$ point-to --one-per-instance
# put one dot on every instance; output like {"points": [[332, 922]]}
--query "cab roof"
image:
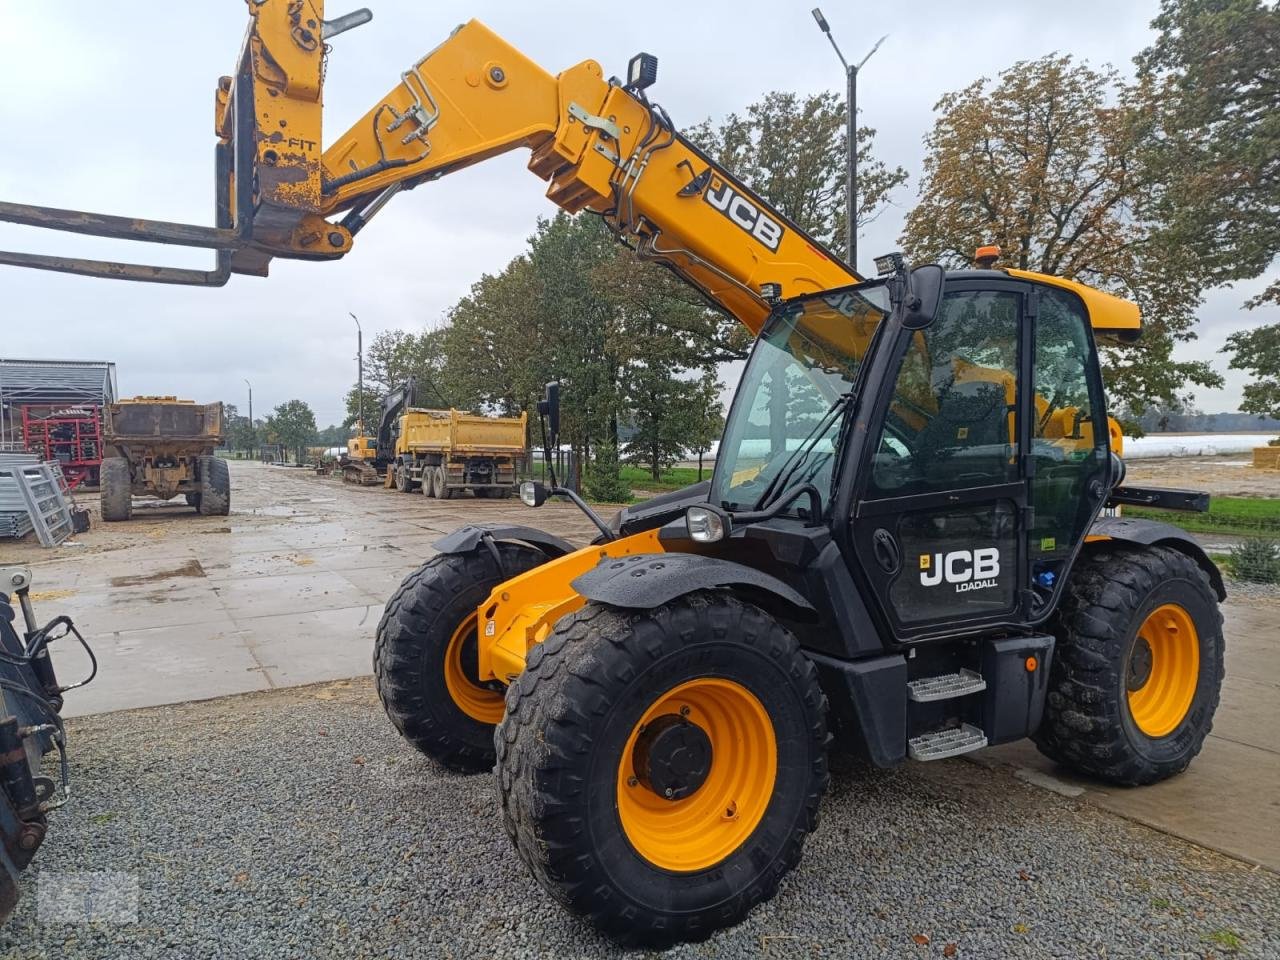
{"points": [[1109, 315]]}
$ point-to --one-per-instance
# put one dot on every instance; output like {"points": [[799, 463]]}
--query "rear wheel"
{"points": [[443, 491], [402, 478], [424, 656], [659, 770], [115, 490], [214, 498], [1138, 666]]}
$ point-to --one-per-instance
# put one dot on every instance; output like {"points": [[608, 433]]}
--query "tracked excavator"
{"points": [[369, 456], [908, 548]]}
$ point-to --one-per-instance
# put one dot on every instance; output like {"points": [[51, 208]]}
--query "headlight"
{"points": [[706, 524]]}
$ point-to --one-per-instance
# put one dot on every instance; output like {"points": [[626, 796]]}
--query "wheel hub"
{"points": [[1139, 671], [672, 756]]}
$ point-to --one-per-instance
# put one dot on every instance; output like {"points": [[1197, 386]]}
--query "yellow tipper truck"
{"points": [[443, 452]]}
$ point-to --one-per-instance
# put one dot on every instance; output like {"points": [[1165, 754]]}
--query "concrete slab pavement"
{"points": [[287, 590]]}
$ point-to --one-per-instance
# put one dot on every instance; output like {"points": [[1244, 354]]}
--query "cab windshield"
{"points": [[785, 425]]}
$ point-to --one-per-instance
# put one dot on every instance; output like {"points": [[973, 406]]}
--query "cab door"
{"points": [[941, 512]]}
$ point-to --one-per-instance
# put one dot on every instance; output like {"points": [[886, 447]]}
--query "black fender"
{"points": [[1149, 533], [647, 580], [471, 537]]}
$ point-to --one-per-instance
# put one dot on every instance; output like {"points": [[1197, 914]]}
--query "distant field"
{"points": [[1249, 516], [673, 479]]}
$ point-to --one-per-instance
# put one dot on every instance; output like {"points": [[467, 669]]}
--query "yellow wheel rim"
{"points": [[705, 827], [477, 702], [1163, 670]]}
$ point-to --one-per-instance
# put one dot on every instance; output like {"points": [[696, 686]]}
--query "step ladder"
{"points": [[946, 686], [42, 489], [947, 741]]}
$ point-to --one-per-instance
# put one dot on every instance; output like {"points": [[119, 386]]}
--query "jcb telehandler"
{"points": [[902, 551]]}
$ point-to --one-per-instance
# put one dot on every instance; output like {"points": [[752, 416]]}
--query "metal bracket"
{"points": [[419, 113], [593, 122]]}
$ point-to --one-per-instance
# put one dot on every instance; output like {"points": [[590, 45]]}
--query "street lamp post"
{"points": [[851, 174], [252, 445], [359, 368]]}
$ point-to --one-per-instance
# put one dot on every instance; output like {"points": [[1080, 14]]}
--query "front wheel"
{"points": [[659, 770], [424, 655], [1138, 666]]}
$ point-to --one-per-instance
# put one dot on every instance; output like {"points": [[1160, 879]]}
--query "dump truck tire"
{"points": [[115, 489], [424, 656], [1137, 668], [429, 483], [437, 483], [659, 770], [443, 490], [215, 487]]}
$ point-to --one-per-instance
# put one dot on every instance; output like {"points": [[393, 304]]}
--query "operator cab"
{"points": [[955, 446]]}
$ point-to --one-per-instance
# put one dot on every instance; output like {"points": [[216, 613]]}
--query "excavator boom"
{"points": [[600, 145]]}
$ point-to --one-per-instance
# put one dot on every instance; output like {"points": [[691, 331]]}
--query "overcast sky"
{"points": [[109, 108]]}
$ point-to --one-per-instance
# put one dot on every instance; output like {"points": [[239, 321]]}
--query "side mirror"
{"points": [[924, 296], [550, 408], [533, 493]]}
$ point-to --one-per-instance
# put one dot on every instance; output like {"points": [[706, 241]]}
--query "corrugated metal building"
{"points": [[27, 382]]}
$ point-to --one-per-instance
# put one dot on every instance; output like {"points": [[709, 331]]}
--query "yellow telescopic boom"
{"points": [[600, 145]]}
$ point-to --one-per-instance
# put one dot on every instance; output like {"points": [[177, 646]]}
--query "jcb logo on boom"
{"points": [[968, 570], [745, 214]]}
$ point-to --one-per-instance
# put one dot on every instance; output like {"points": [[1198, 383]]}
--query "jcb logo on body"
{"points": [[745, 214], [967, 569]]}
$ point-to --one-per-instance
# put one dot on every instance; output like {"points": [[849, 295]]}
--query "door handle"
{"points": [[886, 551]]}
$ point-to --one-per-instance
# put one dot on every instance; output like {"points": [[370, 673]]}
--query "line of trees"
{"points": [[292, 425], [1157, 189]]}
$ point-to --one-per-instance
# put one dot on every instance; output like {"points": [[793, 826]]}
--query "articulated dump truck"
{"points": [[443, 452], [161, 447]]}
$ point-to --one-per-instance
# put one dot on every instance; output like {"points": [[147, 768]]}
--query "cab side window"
{"points": [[951, 421], [1069, 436]]}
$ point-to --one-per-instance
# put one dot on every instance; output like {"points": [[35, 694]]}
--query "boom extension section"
{"points": [[601, 146]]}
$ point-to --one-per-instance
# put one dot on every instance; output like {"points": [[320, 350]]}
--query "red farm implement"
{"points": [[70, 435]]}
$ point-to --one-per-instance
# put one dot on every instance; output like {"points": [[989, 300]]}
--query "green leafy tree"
{"points": [[793, 150], [1258, 352], [1215, 67], [240, 434], [293, 425], [706, 423], [677, 418], [396, 355], [372, 409], [603, 480], [333, 436], [1047, 164]]}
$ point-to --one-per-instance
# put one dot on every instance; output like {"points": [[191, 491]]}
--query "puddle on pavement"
{"points": [[191, 568], [274, 511]]}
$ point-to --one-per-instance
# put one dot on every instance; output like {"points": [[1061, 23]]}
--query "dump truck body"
{"points": [[443, 452], [162, 447]]}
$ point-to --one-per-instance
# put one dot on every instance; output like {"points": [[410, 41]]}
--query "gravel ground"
{"points": [[295, 823]]}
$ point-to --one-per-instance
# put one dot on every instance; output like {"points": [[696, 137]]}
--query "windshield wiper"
{"points": [[801, 453]]}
